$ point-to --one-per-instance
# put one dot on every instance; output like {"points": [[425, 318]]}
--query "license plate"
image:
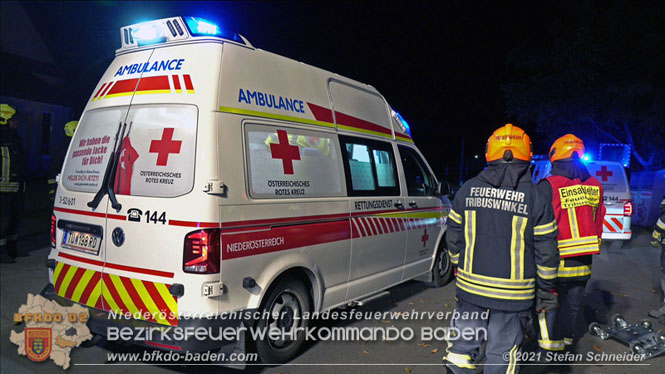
{"points": [[81, 241]]}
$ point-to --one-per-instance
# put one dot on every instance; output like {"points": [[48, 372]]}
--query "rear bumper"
{"points": [[191, 334], [617, 226]]}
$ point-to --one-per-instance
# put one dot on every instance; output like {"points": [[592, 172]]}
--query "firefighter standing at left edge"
{"points": [[502, 236], [11, 184]]}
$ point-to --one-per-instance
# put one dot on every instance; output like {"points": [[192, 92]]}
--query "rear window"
{"points": [[157, 150], [612, 176]]}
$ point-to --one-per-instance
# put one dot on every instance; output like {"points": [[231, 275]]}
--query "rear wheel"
{"points": [[442, 268], [286, 304]]}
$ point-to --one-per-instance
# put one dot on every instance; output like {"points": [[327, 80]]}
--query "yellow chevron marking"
{"points": [[83, 282]]}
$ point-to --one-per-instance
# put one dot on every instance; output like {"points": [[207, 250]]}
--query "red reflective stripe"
{"points": [[91, 286], [351, 121], [618, 223], [188, 82], [377, 224], [321, 113], [160, 345], [386, 229], [109, 265], [123, 86], [176, 82], [91, 214], [608, 226], [226, 225], [100, 90], [154, 83], [360, 226], [129, 286], [174, 222], [106, 90], [99, 304], [81, 212], [75, 281], [62, 274], [287, 237], [369, 223]]}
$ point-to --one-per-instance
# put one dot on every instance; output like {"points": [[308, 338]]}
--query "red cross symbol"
{"points": [[424, 238], [284, 151], [165, 146], [604, 173]]}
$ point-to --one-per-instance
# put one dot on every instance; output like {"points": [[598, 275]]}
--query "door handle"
{"points": [[413, 204], [399, 205]]}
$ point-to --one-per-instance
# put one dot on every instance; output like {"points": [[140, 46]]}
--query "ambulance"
{"points": [[616, 197], [209, 178]]}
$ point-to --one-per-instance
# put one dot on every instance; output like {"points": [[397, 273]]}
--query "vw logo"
{"points": [[118, 236]]}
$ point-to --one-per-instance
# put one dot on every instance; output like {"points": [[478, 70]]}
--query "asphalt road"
{"points": [[624, 281]]}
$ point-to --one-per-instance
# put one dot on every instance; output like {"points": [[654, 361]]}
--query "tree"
{"points": [[600, 74]]}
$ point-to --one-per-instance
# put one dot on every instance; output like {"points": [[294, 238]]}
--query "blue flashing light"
{"points": [[147, 33], [201, 27], [586, 158], [406, 125]]}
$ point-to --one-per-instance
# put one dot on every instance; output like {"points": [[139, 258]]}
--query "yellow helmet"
{"points": [[507, 140], [565, 146], [70, 127], [6, 112]]}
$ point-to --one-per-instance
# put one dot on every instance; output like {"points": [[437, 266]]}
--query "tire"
{"points": [[442, 269], [287, 298], [594, 329], [619, 321]]}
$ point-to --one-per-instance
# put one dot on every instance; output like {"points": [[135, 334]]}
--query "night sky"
{"points": [[440, 64]]}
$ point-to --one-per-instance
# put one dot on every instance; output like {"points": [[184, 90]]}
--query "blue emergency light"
{"points": [[201, 27], [586, 158], [406, 125], [147, 33]]}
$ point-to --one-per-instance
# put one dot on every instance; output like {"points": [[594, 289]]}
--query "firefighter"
{"points": [[658, 241], [502, 239], [11, 184], [577, 200], [59, 158]]}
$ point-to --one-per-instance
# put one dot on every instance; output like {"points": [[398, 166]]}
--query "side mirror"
{"points": [[443, 188]]}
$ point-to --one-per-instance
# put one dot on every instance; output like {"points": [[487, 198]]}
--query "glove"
{"points": [[656, 239], [546, 300]]}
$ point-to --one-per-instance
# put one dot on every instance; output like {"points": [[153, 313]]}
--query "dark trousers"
{"points": [[557, 326], [503, 330], [11, 209]]}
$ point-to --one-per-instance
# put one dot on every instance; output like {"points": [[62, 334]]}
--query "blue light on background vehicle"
{"points": [[201, 27], [406, 125], [148, 33], [586, 158]]}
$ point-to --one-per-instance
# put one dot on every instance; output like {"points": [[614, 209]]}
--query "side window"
{"points": [[291, 163], [370, 167], [419, 181]]}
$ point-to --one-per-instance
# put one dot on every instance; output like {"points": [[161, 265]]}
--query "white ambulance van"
{"points": [[616, 197], [207, 176]]}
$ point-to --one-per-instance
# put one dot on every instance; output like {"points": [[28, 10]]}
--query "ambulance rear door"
{"points": [[82, 203], [160, 210]]}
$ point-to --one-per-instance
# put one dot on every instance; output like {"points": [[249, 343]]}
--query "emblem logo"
{"points": [[118, 236], [38, 343]]}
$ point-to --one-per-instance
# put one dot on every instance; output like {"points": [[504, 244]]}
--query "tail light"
{"points": [[52, 230], [202, 252], [628, 208]]}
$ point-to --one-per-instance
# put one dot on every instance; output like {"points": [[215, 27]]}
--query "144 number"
{"points": [[152, 217]]}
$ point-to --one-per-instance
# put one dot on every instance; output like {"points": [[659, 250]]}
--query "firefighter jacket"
{"points": [[577, 200], [11, 151], [502, 237]]}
